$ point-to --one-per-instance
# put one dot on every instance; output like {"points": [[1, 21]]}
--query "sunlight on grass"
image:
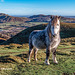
{"points": [[14, 58]]}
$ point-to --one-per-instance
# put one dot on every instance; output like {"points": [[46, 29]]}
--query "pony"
{"points": [[48, 39]]}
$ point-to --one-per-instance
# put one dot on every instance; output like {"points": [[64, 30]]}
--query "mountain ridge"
{"points": [[34, 18], [46, 18], [6, 18]]}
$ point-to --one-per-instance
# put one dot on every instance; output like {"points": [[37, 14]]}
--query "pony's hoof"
{"points": [[47, 63], [56, 62], [36, 59], [28, 61]]}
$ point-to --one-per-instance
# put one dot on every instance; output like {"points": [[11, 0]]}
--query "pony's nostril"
{"points": [[54, 35]]}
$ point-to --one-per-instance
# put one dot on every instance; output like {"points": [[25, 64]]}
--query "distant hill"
{"points": [[69, 16], [46, 18], [68, 19], [39, 18], [67, 30], [6, 18]]}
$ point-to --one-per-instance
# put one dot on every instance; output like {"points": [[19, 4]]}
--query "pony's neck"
{"points": [[48, 30]]}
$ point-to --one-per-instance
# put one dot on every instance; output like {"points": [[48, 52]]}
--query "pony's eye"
{"points": [[57, 24]]}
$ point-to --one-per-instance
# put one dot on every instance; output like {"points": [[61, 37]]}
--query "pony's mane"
{"points": [[53, 21]]}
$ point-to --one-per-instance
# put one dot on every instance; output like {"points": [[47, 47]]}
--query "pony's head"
{"points": [[55, 25]]}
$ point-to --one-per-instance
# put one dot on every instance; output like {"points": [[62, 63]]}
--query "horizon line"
{"points": [[33, 14]]}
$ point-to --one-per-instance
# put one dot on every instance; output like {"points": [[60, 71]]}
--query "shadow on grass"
{"points": [[1, 40], [59, 53], [6, 59], [23, 55], [65, 74], [21, 58], [72, 51]]}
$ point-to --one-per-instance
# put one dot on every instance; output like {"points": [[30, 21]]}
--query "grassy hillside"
{"points": [[13, 61], [67, 31]]}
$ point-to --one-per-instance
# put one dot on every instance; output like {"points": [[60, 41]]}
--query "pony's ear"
{"points": [[59, 17], [51, 17]]}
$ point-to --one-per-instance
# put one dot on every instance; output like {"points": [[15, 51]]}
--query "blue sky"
{"points": [[34, 7]]}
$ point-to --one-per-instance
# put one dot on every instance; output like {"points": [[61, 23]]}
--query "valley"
{"points": [[10, 29]]}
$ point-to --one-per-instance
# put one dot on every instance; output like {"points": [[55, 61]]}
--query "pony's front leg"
{"points": [[54, 56], [47, 56]]}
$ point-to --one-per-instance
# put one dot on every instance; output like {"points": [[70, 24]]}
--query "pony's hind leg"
{"points": [[35, 53], [30, 51]]}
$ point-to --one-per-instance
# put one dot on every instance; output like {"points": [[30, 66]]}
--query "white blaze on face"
{"points": [[55, 29], [58, 22]]}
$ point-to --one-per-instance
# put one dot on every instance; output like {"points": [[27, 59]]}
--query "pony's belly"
{"points": [[39, 44]]}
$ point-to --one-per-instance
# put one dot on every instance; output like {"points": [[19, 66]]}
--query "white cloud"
{"points": [[2, 0]]}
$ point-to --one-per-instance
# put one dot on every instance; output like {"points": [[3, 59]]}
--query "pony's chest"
{"points": [[55, 43]]}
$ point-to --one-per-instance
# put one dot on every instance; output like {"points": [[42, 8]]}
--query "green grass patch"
{"points": [[13, 61]]}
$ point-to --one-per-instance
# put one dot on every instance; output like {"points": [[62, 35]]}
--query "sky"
{"points": [[35, 7]]}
